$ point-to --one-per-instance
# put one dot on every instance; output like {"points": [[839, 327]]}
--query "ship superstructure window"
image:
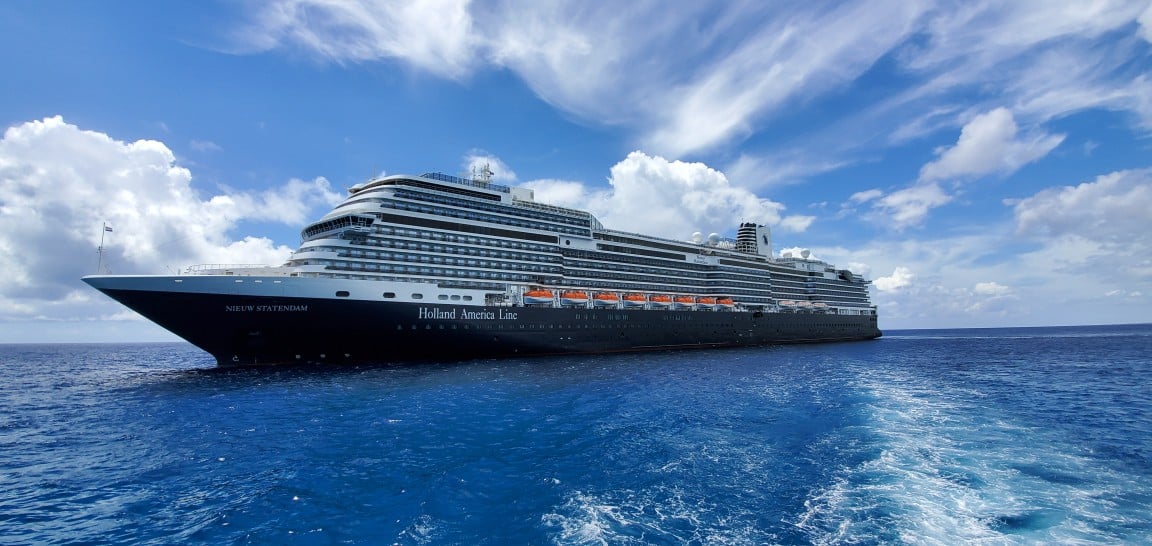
{"points": [[389, 295], [417, 296], [342, 294]]}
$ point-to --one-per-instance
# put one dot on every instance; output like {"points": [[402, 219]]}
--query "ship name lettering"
{"points": [[435, 313], [264, 308]]}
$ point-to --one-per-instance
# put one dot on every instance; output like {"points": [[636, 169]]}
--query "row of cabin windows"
{"points": [[492, 207], [477, 216], [415, 296], [451, 238]]}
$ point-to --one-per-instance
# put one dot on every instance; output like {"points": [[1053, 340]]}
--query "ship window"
{"points": [[442, 297], [389, 294], [417, 296], [341, 293], [455, 298], [467, 298]]}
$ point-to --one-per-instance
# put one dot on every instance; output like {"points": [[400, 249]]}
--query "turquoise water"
{"points": [[995, 436]]}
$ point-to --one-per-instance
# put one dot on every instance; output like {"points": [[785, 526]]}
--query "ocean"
{"points": [[987, 436]]}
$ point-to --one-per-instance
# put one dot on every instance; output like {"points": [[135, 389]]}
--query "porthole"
{"points": [[389, 294], [417, 296], [443, 297], [342, 294]]}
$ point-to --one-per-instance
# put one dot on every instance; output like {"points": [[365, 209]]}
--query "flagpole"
{"points": [[100, 249]]}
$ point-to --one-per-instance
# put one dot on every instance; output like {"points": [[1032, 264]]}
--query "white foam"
{"points": [[659, 515], [947, 472]]}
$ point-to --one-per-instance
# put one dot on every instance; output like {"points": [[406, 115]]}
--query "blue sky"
{"points": [[985, 163]]}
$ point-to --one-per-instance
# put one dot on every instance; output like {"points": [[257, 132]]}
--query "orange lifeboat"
{"points": [[684, 302], [605, 299], [574, 297], [706, 302], [662, 301], [635, 300], [726, 303], [538, 296]]}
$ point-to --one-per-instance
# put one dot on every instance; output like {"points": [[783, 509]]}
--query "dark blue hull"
{"points": [[246, 330]]}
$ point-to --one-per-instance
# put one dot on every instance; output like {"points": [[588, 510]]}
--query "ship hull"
{"points": [[240, 328]]}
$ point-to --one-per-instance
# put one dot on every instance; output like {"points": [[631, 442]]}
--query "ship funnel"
{"points": [[754, 239]]}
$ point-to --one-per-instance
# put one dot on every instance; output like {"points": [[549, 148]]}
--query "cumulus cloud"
{"points": [[910, 206], [1115, 208], [991, 288], [900, 278], [649, 194], [1103, 222], [988, 144], [60, 183], [938, 298]]}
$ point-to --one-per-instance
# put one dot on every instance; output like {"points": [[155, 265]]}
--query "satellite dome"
{"points": [[805, 253], [786, 254], [697, 237], [713, 238]]}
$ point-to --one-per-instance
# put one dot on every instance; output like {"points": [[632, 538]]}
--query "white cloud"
{"points": [[434, 35], [204, 146], [649, 194], [59, 183], [1145, 21], [991, 288], [1100, 225], [610, 63], [865, 196], [910, 206], [900, 278], [688, 80], [988, 144], [1115, 208]]}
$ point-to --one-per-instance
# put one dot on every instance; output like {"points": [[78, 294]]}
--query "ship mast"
{"points": [[100, 249]]}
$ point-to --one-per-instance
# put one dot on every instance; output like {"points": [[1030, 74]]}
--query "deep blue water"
{"points": [[1039, 435]]}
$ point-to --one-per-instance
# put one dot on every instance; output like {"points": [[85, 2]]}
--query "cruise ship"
{"points": [[437, 267]]}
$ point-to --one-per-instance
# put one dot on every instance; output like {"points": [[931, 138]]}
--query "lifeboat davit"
{"points": [[538, 296], [605, 299], [660, 301], [726, 303], [684, 302], [634, 301], [574, 297]]}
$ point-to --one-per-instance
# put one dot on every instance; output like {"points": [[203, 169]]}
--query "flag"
{"points": [[107, 228]]}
